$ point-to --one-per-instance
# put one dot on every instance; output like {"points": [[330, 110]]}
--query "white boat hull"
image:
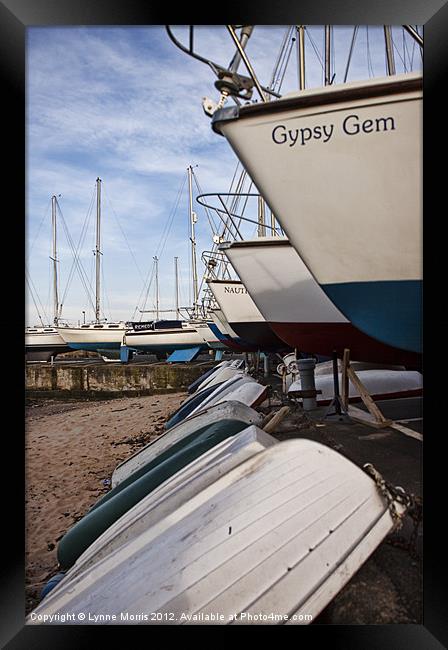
{"points": [[226, 334], [42, 343], [209, 337], [341, 168], [379, 383], [296, 307], [93, 337], [164, 340], [243, 314]]}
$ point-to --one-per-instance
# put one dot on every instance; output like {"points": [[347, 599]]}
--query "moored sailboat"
{"points": [[43, 343], [99, 336]]}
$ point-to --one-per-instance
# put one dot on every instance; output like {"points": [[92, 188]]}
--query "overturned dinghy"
{"points": [[226, 411], [222, 374], [226, 388], [188, 406], [380, 383], [247, 391], [202, 398], [271, 541], [175, 492], [192, 388]]}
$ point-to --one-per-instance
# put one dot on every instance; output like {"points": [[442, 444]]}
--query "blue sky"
{"points": [[124, 104]]}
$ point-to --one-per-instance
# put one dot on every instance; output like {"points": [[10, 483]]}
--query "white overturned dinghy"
{"points": [[226, 411], [222, 374], [245, 390], [380, 383], [273, 540]]}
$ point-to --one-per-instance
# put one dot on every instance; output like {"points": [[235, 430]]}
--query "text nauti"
{"points": [[235, 290]]}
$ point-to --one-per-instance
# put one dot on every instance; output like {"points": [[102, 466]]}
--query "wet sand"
{"points": [[72, 449]]}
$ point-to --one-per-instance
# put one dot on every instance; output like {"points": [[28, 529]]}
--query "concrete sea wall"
{"points": [[110, 380]]}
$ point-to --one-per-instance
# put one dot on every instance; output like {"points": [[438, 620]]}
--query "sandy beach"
{"points": [[72, 449]]}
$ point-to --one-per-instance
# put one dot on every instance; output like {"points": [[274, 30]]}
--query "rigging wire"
{"points": [[211, 221], [34, 294], [48, 279], [369, 55], [40, 226], [282, 61], [78, 263], [152, 272], [105, 296], [316, 51], [394, 45], [124, 236], [234, 197], [78, 248], [352, 46], [160, 248]]}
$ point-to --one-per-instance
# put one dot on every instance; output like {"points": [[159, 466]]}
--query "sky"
{"points": [[125, 104]]}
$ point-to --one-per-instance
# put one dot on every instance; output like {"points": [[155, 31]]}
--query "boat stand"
{"points": [[126, 354], [182, 356], [218, 355], [340, 411]]}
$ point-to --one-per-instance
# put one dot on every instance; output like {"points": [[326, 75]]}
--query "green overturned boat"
{"points": [[130, 491]]}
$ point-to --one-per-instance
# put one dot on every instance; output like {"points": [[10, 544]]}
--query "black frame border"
{"points": [[15, 17]]}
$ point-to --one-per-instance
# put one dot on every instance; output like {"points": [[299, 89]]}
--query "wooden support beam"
{"points": [[378, 419], [267, 419], [367, 418], [276, 419]]}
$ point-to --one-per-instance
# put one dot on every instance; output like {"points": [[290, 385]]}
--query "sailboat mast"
{"points": [[193, 219], [176, 287], [301, 55], [97, 249], [55, 263], [389, 50], [273, 230], [327, 55], [261, 218]]}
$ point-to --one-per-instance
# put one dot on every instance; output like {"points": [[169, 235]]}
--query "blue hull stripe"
{"points": [[94, 346], [390, 312], [225, 337], [166, 348]]}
